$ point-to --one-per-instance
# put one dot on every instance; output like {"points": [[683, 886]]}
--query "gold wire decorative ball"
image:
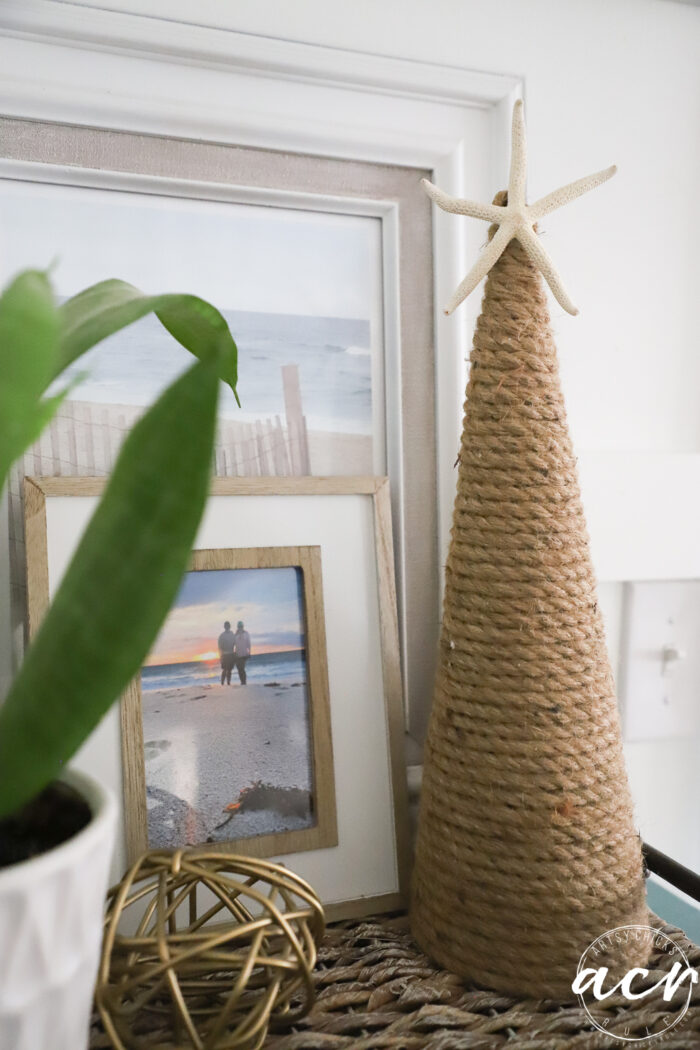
{"points": [[204, 950]]}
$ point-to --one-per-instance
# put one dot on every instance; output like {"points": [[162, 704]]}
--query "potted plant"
{"points": [[57, 827]]}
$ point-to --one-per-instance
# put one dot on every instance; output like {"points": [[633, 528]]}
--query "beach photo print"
{"points": [[233, 708], [301, 291]]}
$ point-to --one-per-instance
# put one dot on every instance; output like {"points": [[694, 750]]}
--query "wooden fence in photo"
{"points": [[84, 439]]}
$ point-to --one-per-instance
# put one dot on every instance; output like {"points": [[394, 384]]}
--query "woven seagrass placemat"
{"points": [[375, 990]]}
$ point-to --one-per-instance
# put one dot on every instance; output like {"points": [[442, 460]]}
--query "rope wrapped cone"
{"points": [[526, 848]]}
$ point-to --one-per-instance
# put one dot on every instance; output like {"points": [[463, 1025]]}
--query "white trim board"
{"points": [[165, 36], [329, 104]]}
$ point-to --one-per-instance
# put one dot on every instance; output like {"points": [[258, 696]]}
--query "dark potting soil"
{"points": [[53, 817]]}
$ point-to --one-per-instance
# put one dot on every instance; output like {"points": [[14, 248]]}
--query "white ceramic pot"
{"points": [[51, 910]]}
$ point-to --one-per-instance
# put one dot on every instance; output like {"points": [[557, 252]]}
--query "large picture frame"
{"points": [[39, 161], [349, 521]]}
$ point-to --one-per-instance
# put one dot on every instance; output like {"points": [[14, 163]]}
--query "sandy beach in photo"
{"points": [[333, 453], [204, 745]]}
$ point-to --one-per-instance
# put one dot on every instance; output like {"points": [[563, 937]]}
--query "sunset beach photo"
{"points": [[226, 710]]}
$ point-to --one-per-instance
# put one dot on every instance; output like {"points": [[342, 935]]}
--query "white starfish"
{"points": [[516, 218]]}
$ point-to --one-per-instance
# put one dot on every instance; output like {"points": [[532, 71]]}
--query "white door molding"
{"points": [[212, 46]]}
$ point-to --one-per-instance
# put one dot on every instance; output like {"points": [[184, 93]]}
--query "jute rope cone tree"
{"points": [[527, 849]]}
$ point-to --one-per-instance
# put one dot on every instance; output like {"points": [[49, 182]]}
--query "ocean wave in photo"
{"points": [[333, 355], [285, 668]]}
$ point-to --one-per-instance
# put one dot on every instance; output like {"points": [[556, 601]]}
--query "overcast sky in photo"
{"points": [[240, 257]]}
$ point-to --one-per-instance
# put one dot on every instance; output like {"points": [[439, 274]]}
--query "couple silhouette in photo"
{"points": [[234, 650]]}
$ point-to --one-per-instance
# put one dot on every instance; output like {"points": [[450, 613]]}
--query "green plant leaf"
{"points": [[117, 590], [29, 335], [104, 308]]}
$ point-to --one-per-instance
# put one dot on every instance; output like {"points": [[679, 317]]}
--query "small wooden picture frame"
{"points": [[337, 531], [238, 717]]}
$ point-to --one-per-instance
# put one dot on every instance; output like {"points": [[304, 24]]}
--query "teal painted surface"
{"points": [[674, 909]]}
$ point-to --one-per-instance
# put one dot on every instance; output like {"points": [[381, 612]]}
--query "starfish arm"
{"points": [[569, 193], [489, 212], [518, 157], [491, 254], [537, 255]]}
